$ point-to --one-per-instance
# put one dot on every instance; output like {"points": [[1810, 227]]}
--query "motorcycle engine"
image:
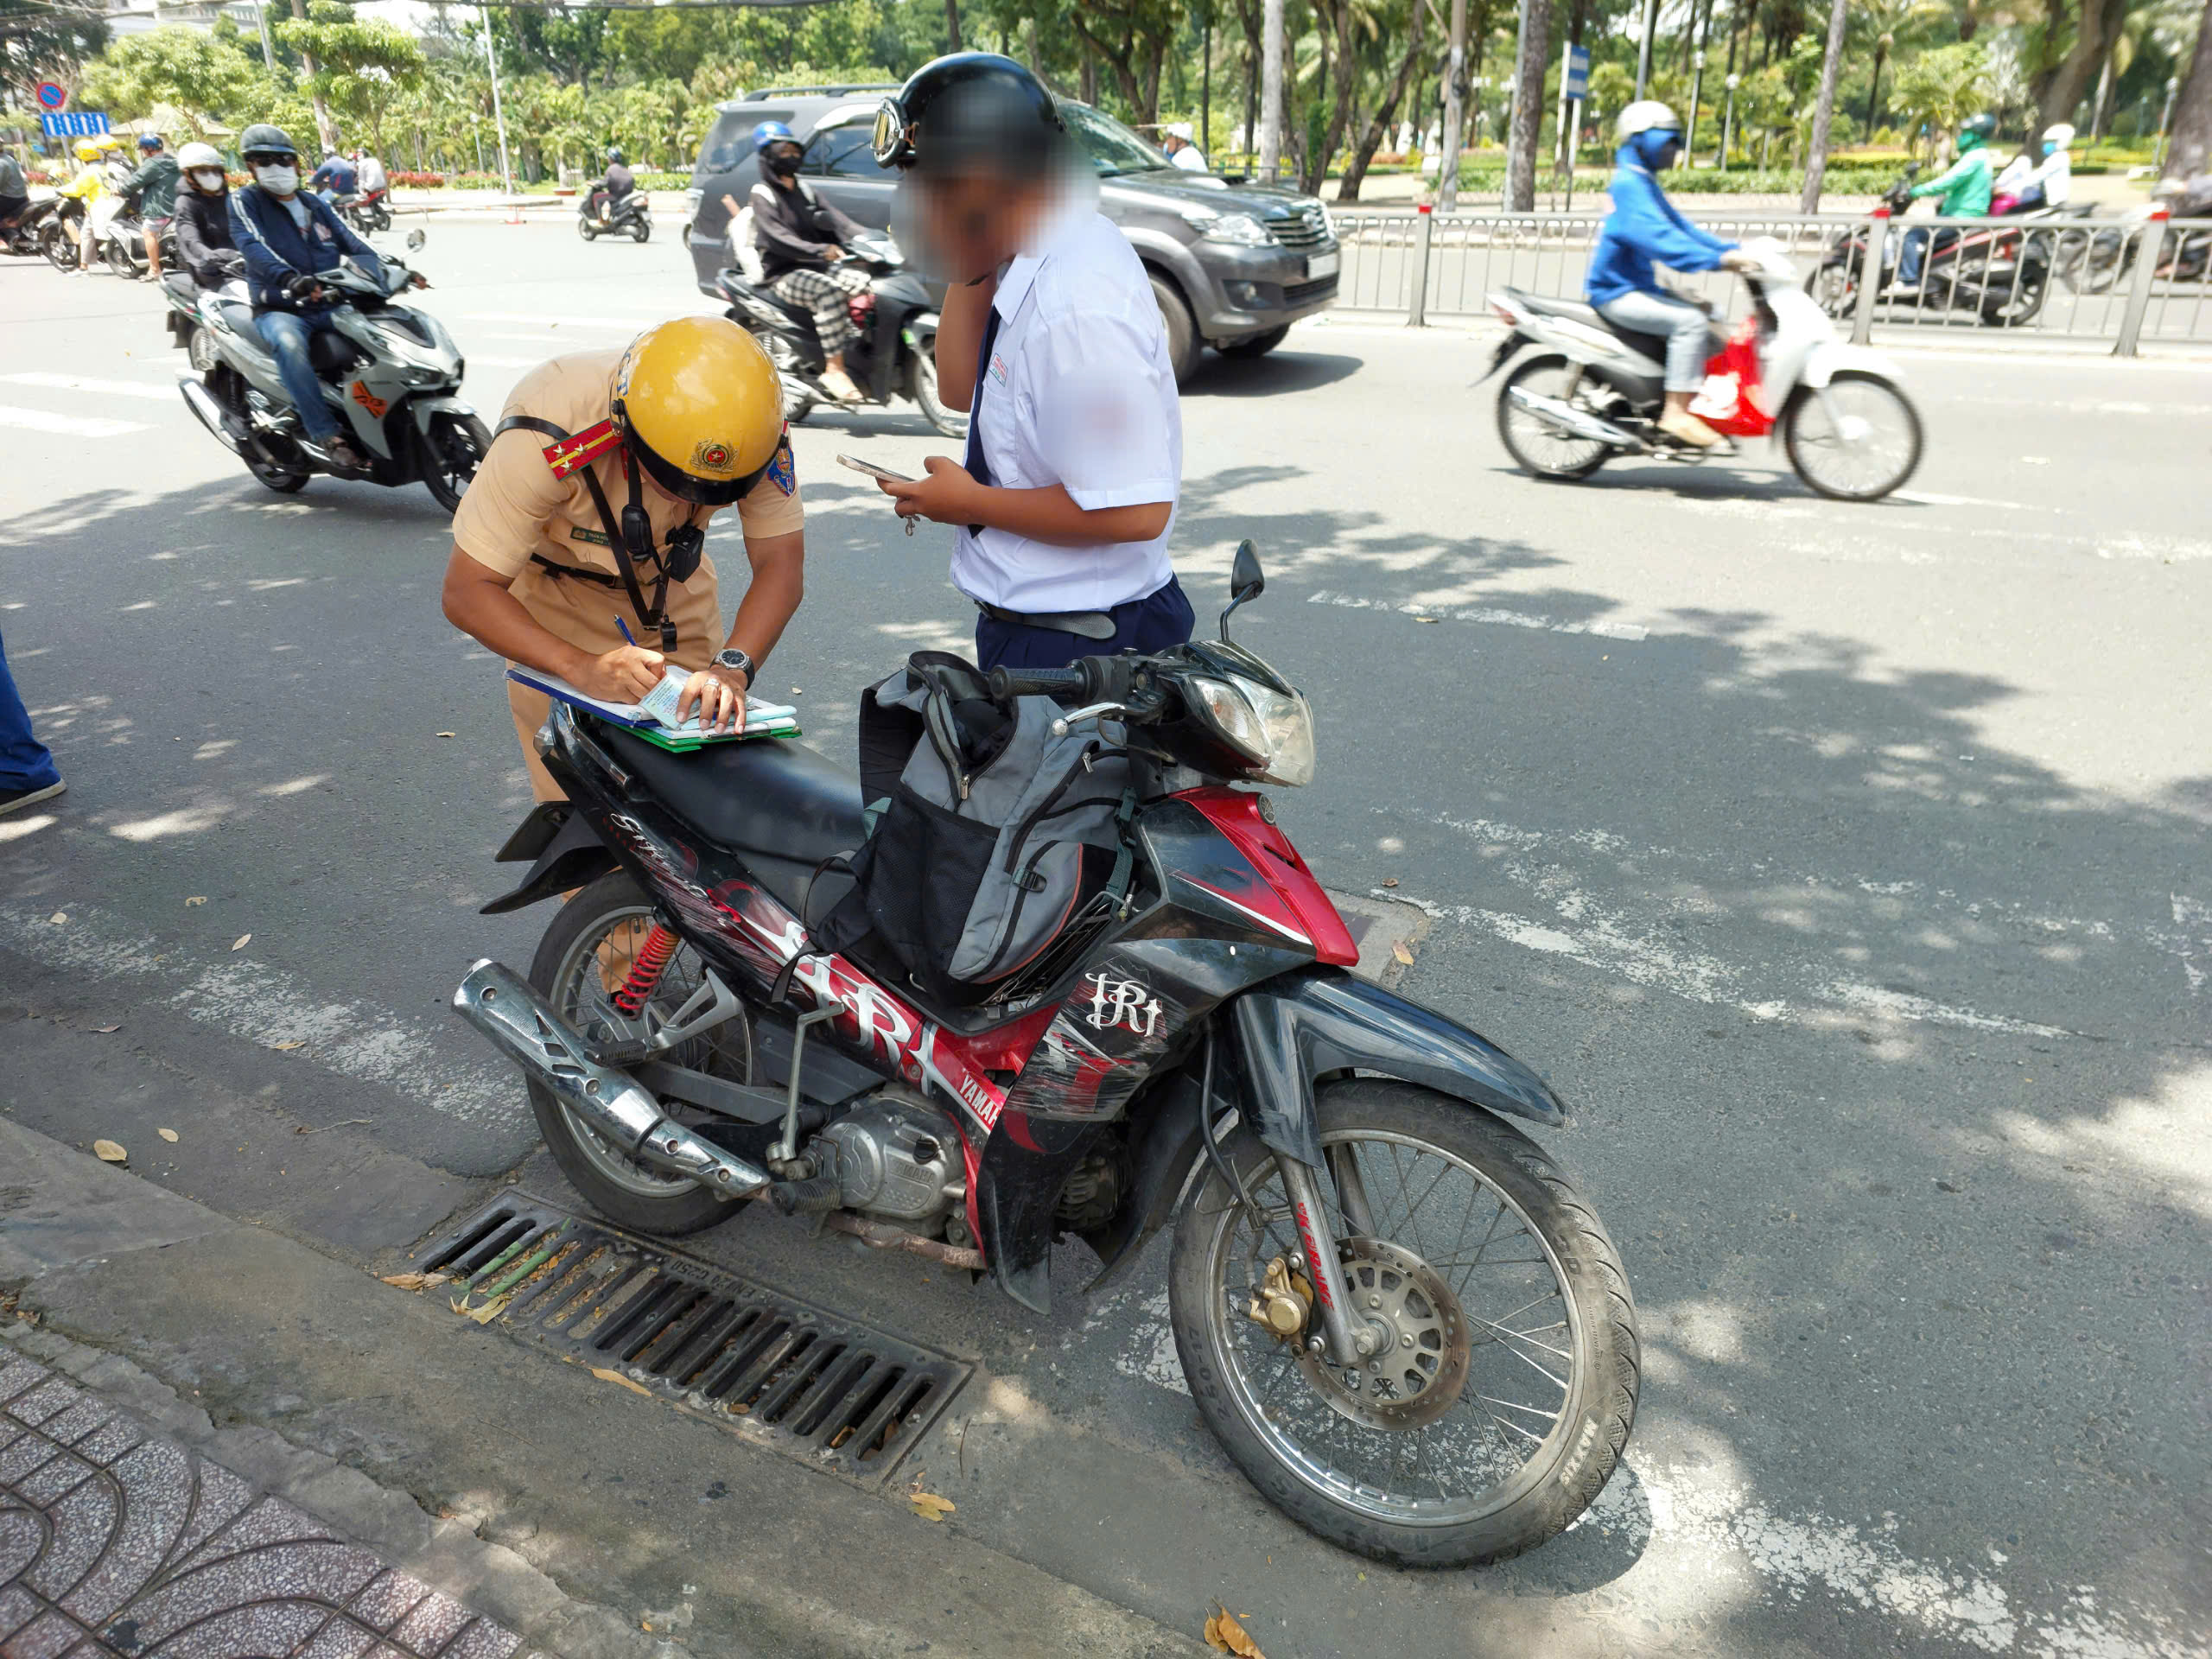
{"points": [[896, 1155]]}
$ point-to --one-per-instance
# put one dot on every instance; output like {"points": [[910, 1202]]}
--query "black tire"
{"points": [[1184, 345], [199, 350], [921, 385], [1575, 1459], [562, 954], [283, 479], [119, 262], [586, 229], [1833, 287], [1561, 469], [642, 230], [1795, 442], [2014, 302], [1254, 345], [452, 450], [58, 242]]}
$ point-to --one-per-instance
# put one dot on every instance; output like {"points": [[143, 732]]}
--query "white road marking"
{"points": [[69, 426], [1929, 499], [146, 389], [267, 1005], [1629, 631]]}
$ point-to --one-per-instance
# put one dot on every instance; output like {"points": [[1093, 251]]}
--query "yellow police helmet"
{"points": [[700, 406], [91, 150]]}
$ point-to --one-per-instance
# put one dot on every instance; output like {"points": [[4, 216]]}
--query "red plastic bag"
{"points": [[1729, 401]]}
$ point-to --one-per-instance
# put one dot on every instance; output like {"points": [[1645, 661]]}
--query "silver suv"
{"points": [[1232, 266]]}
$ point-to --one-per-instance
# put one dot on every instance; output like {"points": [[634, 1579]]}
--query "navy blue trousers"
{"points": [[24, 763], [1159, 619]]}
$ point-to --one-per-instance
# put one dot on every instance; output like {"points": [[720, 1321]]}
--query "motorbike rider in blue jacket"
{"points": [[1645, 227], [287, 236]]}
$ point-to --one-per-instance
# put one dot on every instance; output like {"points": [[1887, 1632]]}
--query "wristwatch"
{"points": [[732, 658]]}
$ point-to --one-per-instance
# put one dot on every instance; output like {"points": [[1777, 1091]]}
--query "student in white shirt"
{"points": [[1049, 335], [1182, 150]]}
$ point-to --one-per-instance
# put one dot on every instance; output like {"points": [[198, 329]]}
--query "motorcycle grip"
{"points": [[1065, 684]]}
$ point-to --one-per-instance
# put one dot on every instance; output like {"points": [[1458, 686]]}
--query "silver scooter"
{"points": [[389, 373]]}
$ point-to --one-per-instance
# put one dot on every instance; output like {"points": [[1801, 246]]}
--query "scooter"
{"points": [[369, 211], [1394, 1310], [632, 214], [1594, 391], [123, 247], [895, 355], [2001, 273], [25, 236], [61, 231], [388, 372]]}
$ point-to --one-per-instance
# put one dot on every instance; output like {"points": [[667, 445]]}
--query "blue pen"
{"points": [[624, 626]]}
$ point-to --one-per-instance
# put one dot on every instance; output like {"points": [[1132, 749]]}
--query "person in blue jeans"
{"points": [[1645, 227], [288, 235], [27, 771]]}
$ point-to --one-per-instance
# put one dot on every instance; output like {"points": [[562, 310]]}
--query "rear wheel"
{"points": [[1856, 439], [1184, 345], [799, 402], [58, 242], [586, 229], [2014, 300], [922, 383], [452, 448], [591, 942], [642, 229], [1254, 345], [285, 481], [120, 262], [1504, 1392], [1541, 447], [1835, 289]]}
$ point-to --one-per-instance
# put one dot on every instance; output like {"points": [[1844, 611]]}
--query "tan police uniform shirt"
{"points": [[515, 510]]}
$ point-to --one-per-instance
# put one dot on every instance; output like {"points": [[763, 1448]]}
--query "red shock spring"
{"points": [[645, 973]]}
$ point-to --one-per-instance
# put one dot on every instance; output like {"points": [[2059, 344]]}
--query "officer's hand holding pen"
{"points": [[948, 495], [622, 675]]}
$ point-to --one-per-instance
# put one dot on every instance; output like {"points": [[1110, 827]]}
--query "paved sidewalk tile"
{"points": [[119, 1544]]}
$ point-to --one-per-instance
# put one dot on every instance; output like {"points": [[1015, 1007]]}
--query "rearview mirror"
{"points": [[415, 240], [1246, 581]]}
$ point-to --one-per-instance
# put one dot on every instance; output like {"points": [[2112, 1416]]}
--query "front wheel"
{"points": [[921, 383], [1834, 288], [1540, 446], [1855, 439], [120, 262], [1184, 345], [58, 241], [452, 448], [1504, 1391], [199, 350]]}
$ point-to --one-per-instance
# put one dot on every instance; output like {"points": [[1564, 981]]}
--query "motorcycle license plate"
{"points": [[1322, 264]]}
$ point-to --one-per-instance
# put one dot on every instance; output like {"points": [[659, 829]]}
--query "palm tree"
{"points": [[1884, 20]]}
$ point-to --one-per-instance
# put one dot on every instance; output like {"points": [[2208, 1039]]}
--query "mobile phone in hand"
{"points": [[873, 470]]}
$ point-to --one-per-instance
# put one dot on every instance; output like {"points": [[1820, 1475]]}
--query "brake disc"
{"points": [[1416, 1377]]}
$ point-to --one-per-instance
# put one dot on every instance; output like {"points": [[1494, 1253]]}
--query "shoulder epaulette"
{"points": [[586, 446]]}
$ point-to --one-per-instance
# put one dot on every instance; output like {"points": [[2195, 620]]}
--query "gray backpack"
{"points": [[979, 819]]}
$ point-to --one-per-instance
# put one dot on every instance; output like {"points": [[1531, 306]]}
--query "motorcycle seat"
{"points": [[778, 805], [1651, 345], [182, 284], [791, 309]]}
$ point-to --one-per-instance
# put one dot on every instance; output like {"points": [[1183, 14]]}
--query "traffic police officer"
{"points": [[1051, 337], [588, 518]]}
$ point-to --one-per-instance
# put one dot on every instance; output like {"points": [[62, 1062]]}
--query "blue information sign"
{"points": [[77, 124], [1577, 71]]}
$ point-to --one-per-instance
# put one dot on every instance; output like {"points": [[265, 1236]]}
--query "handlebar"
{"points": [[1062, 684]]}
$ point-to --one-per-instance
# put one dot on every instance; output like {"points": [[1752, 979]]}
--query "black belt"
{"points": [[1088, 624]]}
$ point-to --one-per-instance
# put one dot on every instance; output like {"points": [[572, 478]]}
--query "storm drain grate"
{"points": [[805, 1381]]}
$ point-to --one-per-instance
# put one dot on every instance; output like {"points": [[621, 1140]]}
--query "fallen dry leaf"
{"points": [[239, 942], [1389, 880], [1225, 1635], [416, 1280], [59, 917], [930, 1506], [605, 1374], [1400, 951], [103, 1030], [168, 1135], [486, 1314], [200, 900], [301, 1043], [108, 1152]]}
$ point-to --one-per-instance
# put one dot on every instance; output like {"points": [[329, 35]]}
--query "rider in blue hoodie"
{"points": [[1645, 227]]}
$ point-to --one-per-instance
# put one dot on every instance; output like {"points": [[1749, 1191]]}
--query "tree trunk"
{"points": [[1387, 113], [1816, 155], [323, 128], [1347, 88], [2190, 151], [1090, 79], [1528, 105], [952, 25], [1874, 87], [2100, 28], [1271, 50]]}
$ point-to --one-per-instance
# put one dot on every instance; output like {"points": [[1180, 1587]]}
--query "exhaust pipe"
{"points": [[522, 1025], [211, 415], [1581, 423]]}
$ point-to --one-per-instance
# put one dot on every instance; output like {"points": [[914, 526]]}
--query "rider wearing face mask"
{"points": [[800, 237], [1644, 227], [203, 218], [287, 237]]}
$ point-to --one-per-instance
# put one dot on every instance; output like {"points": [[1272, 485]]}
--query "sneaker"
{"points": [[1685, 427], [14, 800], [344, 456], [840, 386]]}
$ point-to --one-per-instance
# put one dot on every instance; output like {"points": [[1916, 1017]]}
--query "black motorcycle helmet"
{"points": [[263, 143], [971, 106], [613, 154]]}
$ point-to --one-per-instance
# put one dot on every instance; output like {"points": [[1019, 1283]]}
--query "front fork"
{"points": [[1349, 1339]]}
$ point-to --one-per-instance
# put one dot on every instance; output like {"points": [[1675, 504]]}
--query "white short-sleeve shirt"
{"points": [[1079, 392]]}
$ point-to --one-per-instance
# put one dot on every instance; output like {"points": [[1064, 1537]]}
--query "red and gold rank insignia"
{"points": [[586, 446]]}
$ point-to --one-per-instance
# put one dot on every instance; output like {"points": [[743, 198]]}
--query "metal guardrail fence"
{"points": [[2073, 278]]}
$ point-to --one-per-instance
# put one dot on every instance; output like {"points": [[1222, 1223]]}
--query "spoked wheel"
{"points": [[452, 448], [952, 423], [1541, 446], [1856, 439], [58, 242], [1503, 1383], [1835, 289], [584, 958]]}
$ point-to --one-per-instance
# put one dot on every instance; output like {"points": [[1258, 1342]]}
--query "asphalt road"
{"points": [[1844, 865]]}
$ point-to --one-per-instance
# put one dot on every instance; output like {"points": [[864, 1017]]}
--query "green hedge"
{"points": [[1842, 180]]}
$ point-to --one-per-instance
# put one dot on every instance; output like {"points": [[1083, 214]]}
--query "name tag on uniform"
{"points": [[597, 538], [998, 368]]}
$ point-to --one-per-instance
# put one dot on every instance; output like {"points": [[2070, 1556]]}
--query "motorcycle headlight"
{"points": [[1273, 730]]}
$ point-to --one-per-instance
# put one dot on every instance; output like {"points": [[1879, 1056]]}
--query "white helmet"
{"points": [[1641, 117], [195, 154], [2062, 135]]}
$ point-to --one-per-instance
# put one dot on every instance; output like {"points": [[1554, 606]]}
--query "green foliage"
{"points": [[362, 66], [200, 75], [1944, 87]]}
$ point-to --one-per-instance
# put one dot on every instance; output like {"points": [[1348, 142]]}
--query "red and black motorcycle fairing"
{"points": [[1102, 1063]]}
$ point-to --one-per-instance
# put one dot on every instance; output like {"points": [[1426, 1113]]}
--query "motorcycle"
{"points": [[2000, 272], [390, 371], [59, 231], [1595, 390], [1395, 1312], [632, 214], [123, 247], [2095, 261], [896, 352], [369, 211], [25, 236]]}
